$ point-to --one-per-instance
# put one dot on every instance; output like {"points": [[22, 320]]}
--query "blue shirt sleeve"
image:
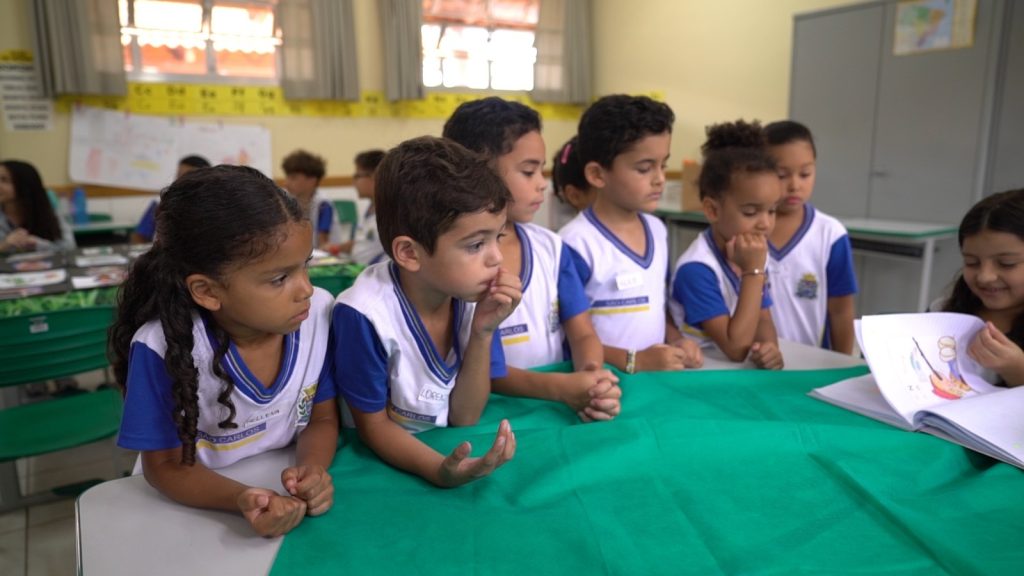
{"points": [[696, 288], [582, 268], [325, 387], [325, 217], [147, 423], [498, 368], [147, 224], [360, 363], [839, 274], [571, 298]]}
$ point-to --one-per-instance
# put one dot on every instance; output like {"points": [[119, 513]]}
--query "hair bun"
{"points": [[738, 134]]}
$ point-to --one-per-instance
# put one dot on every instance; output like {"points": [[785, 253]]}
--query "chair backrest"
{"points": [[50, 345], [347, 214]]}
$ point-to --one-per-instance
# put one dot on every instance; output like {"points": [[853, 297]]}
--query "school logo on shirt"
{"points": [[553, 322], [305, 407], [807, 287], [517, 334]]}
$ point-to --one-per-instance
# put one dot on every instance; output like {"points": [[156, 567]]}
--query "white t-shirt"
{"points": [[626, 290], [384, 358], [552, 294], [815, 265], [267, 417]]}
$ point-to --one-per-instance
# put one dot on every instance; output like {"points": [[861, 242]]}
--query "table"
{"points": [[768, 481], [100, 232], [913, 240], [334, 278]]}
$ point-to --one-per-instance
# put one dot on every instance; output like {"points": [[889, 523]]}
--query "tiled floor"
{"points": [[40, 540]]}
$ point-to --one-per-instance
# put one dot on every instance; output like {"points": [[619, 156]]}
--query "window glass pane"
{"points": [[251, 60], [122, 11], [511, 44], [460, 41], [514, 12], [126, 45], [511, 74], [464, 11], [463, 72], [479, 43], [242, 20], [432, 72], [171, 58], [181, 16]]}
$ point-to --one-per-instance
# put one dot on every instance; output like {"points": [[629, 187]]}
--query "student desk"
{"points": [[713, 472], [914, 240], [100, 232], [333, 278]]}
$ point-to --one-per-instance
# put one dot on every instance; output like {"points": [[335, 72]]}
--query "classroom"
{"points": [[886, 438]]}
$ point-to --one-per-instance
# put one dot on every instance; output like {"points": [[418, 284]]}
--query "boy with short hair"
{"points": [[415, 343], [621, 250], [365, 246], [303, 172], [554, 309]]}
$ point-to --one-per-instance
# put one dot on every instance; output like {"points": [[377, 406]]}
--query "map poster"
{"points": [[926, 25]]}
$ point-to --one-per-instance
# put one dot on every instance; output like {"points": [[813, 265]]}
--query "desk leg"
{"points": [[926, 274]]}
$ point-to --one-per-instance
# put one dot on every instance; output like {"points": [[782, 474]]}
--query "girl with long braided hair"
{"points": [[220, 348]]}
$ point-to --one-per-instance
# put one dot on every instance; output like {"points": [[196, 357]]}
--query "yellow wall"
{"points": [[713, 60]]}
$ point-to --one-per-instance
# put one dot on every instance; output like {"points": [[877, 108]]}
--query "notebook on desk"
{"points": [[922, 379]]}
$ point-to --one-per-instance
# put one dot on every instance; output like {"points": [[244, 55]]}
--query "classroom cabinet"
{"points": [[910, 137], [917, 137]]}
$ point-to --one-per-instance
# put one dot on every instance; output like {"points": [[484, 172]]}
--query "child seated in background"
{"points": [[720, 286], [220, 344], [145, 231], [569, 183], [365, 245], [302, 175], [991, 284], [621, 250], [810, 260], [415, 337], [554, 310], [28, 220]]}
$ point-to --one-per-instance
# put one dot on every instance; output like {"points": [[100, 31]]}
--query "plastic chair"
{"points": [[347, 214], [42, 347]]}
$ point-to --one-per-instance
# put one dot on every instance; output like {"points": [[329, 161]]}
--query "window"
{"points": [[479, 43], [199, 40]]}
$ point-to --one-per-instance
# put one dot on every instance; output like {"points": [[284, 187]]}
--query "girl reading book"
{"points": [[991, 284]]}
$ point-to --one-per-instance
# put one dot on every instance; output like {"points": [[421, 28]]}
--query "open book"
{"points": [[923, 379]]}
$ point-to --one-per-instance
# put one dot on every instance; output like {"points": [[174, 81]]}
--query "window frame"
{"points": [[211, 76], [491, 26]]}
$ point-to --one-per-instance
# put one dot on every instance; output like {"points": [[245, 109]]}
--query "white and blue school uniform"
{"points": [[324, 220], [388, 361], [552, 294], [266, 417], [815, 265], [366, 246], [704, 286], [626, 290]]}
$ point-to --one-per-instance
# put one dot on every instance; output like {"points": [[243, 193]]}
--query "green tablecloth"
{"points": [[334, 279], [731, 472]]}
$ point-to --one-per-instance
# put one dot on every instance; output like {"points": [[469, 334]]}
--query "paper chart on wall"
{"points": [[119, 149]]}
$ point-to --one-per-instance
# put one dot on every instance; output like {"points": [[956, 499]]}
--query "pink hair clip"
{"points": [[565, 153]]}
